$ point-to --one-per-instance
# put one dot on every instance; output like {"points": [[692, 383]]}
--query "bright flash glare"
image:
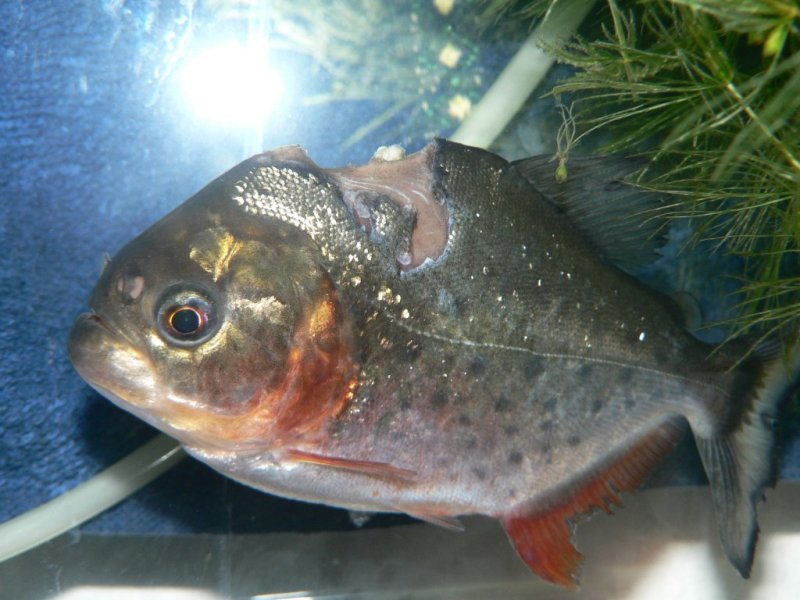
{"points": [[231, 84], [134, 593]]}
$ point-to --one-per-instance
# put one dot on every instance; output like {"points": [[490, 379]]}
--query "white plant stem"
{"points": [[89, 499], [522, 74]]}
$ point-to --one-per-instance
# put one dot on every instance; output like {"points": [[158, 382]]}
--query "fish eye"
{"points": [[187, 320], [186, 317]]}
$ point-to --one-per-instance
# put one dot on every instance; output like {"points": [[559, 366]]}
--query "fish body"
{"points": [[443, 334]]}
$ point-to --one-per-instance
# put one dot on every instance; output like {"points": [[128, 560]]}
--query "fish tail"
{"points": [[740, 461]]}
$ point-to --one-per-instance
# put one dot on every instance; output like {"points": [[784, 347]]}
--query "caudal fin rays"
{"points": [[734, 500], [740, 463]]}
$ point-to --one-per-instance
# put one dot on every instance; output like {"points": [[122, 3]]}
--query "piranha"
{"points": [[440, 334]]}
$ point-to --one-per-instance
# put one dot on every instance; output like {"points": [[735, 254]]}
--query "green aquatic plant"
{"points": [[711, 90], [426, 63], [501, 13]]}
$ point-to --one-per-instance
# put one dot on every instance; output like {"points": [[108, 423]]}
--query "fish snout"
{"points": [[87, 340], [109, 363]]}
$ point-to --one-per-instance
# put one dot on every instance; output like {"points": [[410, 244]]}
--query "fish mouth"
{"points": [[126, 376], [111, 364]]}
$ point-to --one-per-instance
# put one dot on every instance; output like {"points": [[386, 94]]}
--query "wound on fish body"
{"points": [[441, 334]]}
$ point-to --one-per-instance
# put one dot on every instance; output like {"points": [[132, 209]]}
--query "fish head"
{"points": [[221, 329]]}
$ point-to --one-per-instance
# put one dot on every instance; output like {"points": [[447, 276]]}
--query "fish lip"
{"points": [[96, 319], [83, 325], [88, 332], [115, 368], [108, 361]]}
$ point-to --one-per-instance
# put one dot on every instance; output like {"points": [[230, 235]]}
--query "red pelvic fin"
{"points": [[364, 467], [432, 516], [544, 536]]}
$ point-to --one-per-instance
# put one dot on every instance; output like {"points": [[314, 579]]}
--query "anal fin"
{"points": [[544, 543], [544, 536]]}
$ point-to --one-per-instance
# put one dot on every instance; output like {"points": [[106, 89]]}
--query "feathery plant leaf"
{"points": [[711, 89]]}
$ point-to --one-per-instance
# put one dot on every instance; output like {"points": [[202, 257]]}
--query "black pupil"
{"points": [[185, 321]]}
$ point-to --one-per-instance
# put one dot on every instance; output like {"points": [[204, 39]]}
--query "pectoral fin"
{"points": [[433, 516], [544, 537], [364, 467]]}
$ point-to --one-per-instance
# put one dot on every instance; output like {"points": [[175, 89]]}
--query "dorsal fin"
{"points": [[543, 537], [617, 217]]}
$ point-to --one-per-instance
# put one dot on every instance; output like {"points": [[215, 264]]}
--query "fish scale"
{"points": [[442, 334]]}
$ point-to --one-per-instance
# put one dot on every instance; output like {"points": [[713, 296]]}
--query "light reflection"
{"points": [[231, 84], [102, 592]]}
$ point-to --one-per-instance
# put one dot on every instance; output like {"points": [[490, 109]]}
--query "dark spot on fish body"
{"points": [[410, 353], [547, 452], [502, 404], [471, 443], [549, 405], [439, 399], [584, 372], [477, 365], [597, 405], [573, 440], [365, 349], [625, 375], [515, 458], [546, 425], [384, 424], [534, 367], [405, 400], [449, 305], [463, 419], [511, 429], [479, 472]]}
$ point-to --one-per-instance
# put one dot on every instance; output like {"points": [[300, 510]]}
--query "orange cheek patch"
{"points": [[319, 379], [323, 325]]}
